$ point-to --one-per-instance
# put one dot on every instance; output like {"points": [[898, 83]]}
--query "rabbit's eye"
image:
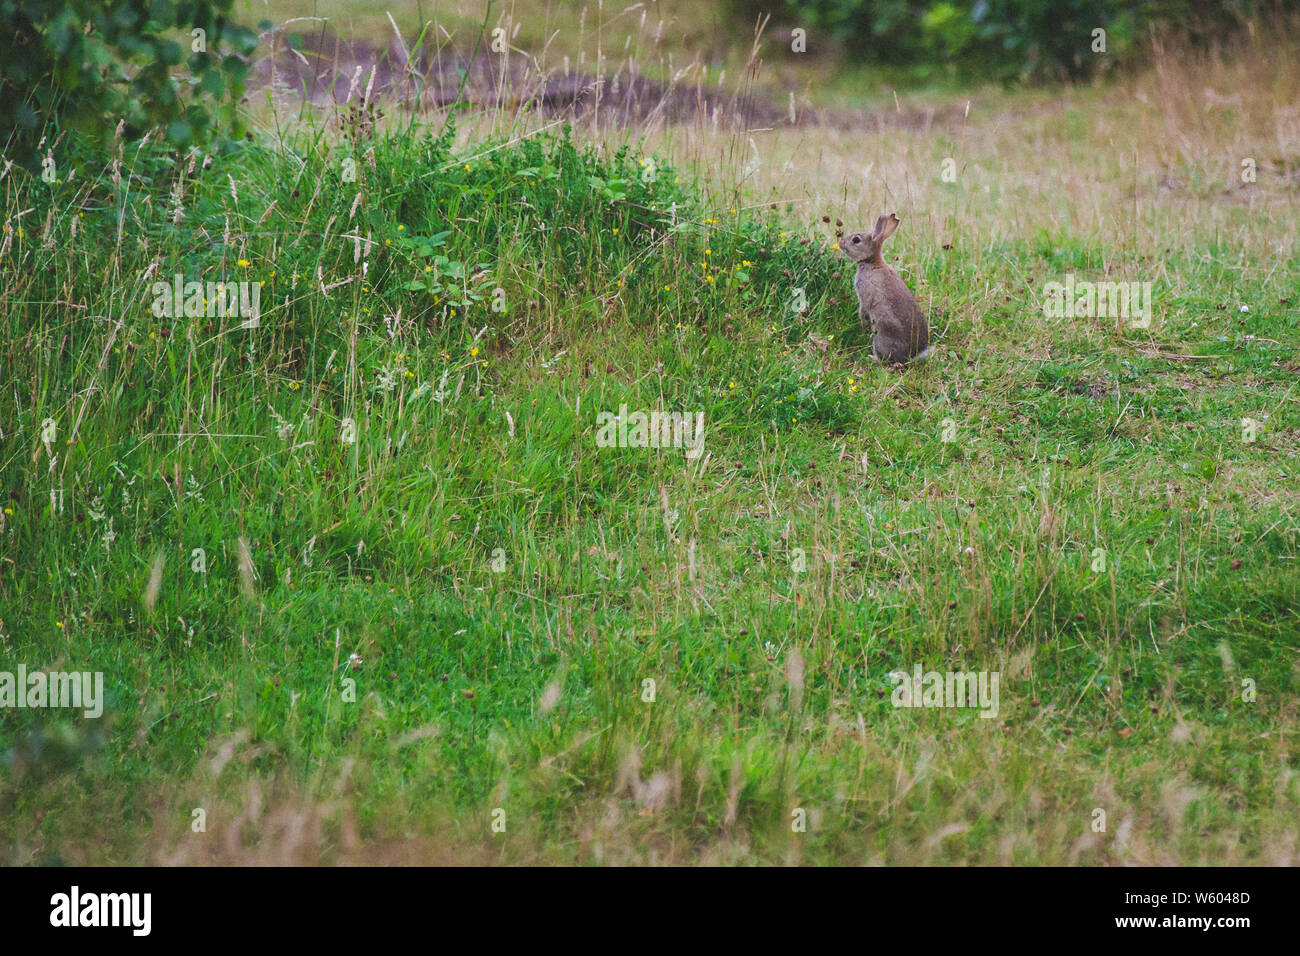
{"points": [[856, 240]]}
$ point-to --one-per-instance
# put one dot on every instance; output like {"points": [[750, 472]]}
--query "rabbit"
{"points": [[886, 305]]}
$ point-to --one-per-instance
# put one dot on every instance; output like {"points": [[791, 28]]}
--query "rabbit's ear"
{"points": [[879, 232], [885, 226]]}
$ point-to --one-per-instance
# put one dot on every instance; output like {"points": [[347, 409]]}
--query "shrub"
{"points": [[87, 65], [1002, 40]]}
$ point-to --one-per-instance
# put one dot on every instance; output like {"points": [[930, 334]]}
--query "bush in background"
{"points": [[1004, 40]]}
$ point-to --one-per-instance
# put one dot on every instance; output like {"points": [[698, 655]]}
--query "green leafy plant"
{"points": [[88, 65], [794, 399], [1006, 40]]}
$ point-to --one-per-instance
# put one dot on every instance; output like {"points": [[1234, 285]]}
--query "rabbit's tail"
{"points": [[923, 355]]}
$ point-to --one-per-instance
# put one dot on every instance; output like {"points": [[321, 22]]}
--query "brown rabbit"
{"points": [[885, 304]]}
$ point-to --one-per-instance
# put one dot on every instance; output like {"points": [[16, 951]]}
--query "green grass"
{"points": [[516, 678]]}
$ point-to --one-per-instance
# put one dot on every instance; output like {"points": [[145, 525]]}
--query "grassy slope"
{"points": [[522, 689]]}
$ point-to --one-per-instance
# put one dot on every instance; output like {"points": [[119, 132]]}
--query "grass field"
{"points": [[364, 588]]}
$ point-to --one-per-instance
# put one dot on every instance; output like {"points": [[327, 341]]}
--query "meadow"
{"points": [[364, 587]]}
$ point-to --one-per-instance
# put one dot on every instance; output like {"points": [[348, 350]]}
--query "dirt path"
{"points": [[326, 68]]}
